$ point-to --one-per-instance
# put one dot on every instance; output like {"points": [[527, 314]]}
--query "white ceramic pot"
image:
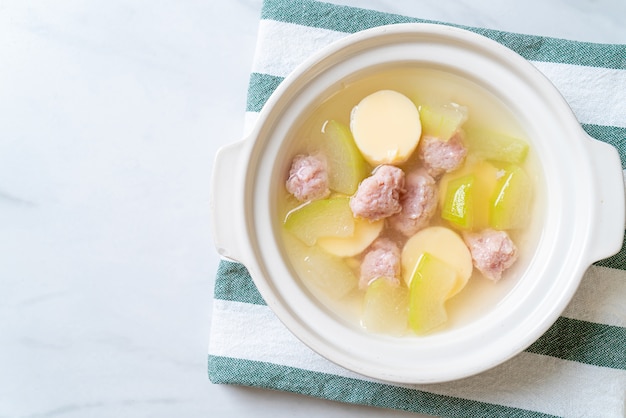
{"points": [[583, 222]]}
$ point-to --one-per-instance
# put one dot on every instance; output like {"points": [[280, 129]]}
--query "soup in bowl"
{"points": [[410, 172], [417, 203]]}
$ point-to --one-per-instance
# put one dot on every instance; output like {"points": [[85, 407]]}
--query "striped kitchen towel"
{"points": [[577, 368]]}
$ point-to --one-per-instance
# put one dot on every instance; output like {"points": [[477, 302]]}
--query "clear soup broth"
{"points": [[335, 278]]}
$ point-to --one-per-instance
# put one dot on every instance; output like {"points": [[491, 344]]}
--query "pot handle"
{"points": [[608, 234], [226, 202]]}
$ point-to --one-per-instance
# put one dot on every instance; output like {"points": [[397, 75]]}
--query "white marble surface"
{"points": [[110, 114]]}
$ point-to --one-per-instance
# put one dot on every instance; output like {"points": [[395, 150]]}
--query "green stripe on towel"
{"points": [[260, 89], [345, 389], [233, 282], [568, 339], [584, 342], [536, 48]]}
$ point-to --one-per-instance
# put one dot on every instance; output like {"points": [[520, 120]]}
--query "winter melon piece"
{"points": [[458, 204], [442, 120], [431, 283], [510, 208], [327, 273], [496, 146], [385, 307], [346, 165], [477, 196], [330, 217]]}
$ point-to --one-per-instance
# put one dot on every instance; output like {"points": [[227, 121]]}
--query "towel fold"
{"points": [[577, 368]]}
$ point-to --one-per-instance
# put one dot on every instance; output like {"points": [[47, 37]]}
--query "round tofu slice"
{"points": [[386, 127], [444, 244]]}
